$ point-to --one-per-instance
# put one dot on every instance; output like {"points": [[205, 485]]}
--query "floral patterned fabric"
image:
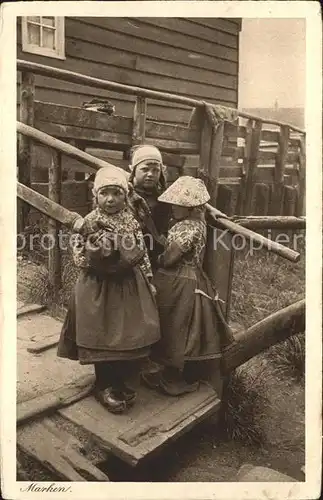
{"points": [[96, 223], [190, 236], [186, 191]]}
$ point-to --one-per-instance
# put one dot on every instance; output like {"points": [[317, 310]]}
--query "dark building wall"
{"points": [[194, 57]]}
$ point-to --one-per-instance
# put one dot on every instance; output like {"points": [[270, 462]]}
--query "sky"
{"points": [[272, 63]]}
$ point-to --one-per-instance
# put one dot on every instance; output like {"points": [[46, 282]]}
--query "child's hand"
{"points": [[162, 240], [152, 288]]}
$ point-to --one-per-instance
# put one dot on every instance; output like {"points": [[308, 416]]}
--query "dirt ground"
{"points": [[204, 454]]}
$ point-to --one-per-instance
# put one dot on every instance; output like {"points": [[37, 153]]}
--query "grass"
{"points": [[41, 291], [243, 407], [288, 358], [263, 283]]}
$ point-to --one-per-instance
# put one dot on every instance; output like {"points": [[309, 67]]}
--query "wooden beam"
{"points": [[205, 150], [139, 121], [262, 192], [275, 328], [271, 222], [224, 199], [301, 179], [215, 161], [289, 198], [62, 147], [252, 160], [29, 309], [65, 75], [244, 167], [277, 200], [63, 396], [70, 76], [72, 219], [27, 92], [99, 126], [54, 252], [50, 447], [48, 207], [270, 245]]}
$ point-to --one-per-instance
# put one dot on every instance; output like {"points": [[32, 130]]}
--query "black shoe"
{"points": [[128, 395], [151, 379], [177, 388], [173, 383], [110, 399]]}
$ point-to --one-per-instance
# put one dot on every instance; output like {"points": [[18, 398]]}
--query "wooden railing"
{"points": [[57, 214], [248, 168]]}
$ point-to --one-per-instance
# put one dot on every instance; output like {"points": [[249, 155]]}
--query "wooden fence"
{"points": [[251, 167]]}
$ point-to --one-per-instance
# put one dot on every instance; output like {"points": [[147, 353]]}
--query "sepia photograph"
{"points": [[161, 249]]}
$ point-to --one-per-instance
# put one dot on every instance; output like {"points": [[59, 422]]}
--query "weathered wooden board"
{"points": [[152, 33], [69, 94], [44, 373], [228, 25], [29, 308], [185, 26], [153, 422], [79, 117], [42, 342], [57, 451], [270, 136], [64, 395]]}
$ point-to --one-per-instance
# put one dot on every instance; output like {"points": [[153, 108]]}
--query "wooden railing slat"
{"points": [[26, 111], [139, 121], [301, 180], [54, 253], [215, 161], [70, 76], [281, 159]]}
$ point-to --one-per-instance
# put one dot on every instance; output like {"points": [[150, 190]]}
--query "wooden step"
{"points": [[62, 396], [44, 333], [58, 451], [24, 309], [38, 374], [154, 421]]}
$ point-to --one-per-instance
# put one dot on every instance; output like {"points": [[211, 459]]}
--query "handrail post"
{"points": [[215, 161], [139, 121], [54, 252], [282, 152], [27, 93], [205, 151], [252, 160], [244, 168], [301, 179]]}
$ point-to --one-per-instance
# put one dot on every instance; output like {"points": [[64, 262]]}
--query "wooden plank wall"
{"points": [[194, 57], [251, 177]]}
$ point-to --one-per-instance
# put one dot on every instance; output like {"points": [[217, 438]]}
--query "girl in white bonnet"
{"points": [[192, 324], [147, 179], [113, 319]]}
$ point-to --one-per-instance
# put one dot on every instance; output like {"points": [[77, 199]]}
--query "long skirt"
{"points": [[192, 324], [109, 319]]}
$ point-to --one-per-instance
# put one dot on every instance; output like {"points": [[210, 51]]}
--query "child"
{"points": [[191, 321], [147, 179], [113, 319]]}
